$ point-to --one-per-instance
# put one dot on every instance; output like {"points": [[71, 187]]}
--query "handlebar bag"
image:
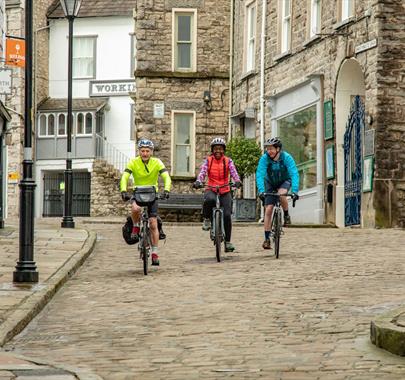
{"points": [[145, 195]]}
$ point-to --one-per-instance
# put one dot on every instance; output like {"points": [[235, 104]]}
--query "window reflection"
{"points": [[298, 134]]}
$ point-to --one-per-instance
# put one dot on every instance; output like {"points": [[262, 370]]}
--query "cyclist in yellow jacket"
{"points": [[145, 170]]}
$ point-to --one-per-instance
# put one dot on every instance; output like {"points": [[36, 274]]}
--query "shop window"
{"points": [[298, 134], [183, 143]]}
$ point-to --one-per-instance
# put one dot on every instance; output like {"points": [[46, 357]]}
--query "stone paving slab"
{"points": [[305, 316], [58, 253]]}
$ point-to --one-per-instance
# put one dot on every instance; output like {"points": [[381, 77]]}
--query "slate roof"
{"points": [[78, 104], [96, 8]]}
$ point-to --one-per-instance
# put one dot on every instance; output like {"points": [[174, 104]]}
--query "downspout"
{"points": [[262, 80], [230, 71]]}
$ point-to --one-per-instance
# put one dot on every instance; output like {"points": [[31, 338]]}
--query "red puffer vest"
{"points": [[218, 173]]}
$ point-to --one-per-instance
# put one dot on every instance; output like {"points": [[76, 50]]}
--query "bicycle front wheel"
{"points": [[218, 235], [277, 232], [145, 249]]}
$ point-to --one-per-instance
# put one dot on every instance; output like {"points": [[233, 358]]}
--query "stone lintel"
{"points": [[171, 74]]}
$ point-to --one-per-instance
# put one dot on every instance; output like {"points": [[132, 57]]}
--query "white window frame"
{"points": [[346, 9], [285, 27], [250, 36], [94, 39], [47, 135], [76, 117], [191, 173], [133, 54], [57, 125], [132, 128], [315, 18], [193, 58]]}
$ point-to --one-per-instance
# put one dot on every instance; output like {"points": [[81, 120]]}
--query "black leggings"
{"points": [[226, 203]]}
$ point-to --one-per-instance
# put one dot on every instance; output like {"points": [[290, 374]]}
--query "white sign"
{"points": [[367, 45], [158, 110], [112, 87], [5, 81]]}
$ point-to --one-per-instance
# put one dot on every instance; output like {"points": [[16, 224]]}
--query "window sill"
{"points": [[345, 22], [312, 40], [281, 56], [248, 74]]}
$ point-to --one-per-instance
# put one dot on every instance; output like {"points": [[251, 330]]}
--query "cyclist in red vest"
{"points": [[219, 169]]}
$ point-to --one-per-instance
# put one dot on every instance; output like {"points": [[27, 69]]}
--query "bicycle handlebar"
{"points": [[282, 195]]}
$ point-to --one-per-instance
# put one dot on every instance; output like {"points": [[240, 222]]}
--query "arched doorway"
{"points": [[350, 83]]}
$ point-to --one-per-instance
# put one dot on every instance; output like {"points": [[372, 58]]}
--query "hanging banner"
{"points": [[15, 52]]}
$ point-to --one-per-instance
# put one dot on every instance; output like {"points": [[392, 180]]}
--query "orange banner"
{"points": [[15, 52]]}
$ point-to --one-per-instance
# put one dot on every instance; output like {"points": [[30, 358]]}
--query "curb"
{"points": [[388, 333], [24, 312]]}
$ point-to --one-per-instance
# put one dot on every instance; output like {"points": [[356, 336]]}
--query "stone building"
{"points": [[328, 78], [182, 80], [14, 102]]}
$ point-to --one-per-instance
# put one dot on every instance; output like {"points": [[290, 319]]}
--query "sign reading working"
{"points": [[112, 87]]}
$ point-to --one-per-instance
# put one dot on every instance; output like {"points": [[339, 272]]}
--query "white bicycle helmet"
{"points": [[218, 141], [145, 143]]}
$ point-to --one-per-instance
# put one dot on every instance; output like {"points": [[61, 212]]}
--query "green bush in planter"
{"points": [[245, 154]]}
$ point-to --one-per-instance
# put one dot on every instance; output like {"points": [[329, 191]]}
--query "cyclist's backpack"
{"points": [[127, 230]]}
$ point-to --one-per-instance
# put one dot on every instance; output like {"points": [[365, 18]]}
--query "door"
{"points": [[352, 146]]}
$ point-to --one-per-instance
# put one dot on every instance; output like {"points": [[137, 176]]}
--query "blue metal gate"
{"points": [[353, 158]]}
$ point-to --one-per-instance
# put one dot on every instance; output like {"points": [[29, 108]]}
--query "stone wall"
{"points": [[15, 101], [157, 83], [15, 27], [324, 55], [389, 194], [105, 198]]}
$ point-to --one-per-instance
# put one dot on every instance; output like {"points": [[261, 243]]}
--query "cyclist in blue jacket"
{"points": [[276, 172]]}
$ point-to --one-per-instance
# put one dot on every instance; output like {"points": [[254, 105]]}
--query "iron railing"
{"points": [[110, 153]]}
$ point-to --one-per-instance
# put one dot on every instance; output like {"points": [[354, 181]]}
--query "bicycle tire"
{"points": [[277, 232], [218, 235], [144, 249]]}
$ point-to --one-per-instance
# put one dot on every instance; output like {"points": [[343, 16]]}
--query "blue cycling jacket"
{"points": [[270, 173]]}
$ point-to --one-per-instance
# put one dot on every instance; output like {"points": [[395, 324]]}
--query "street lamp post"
{"points": [[71, 10], [26, 270]]}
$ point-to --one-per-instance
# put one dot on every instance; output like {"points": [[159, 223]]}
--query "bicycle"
{"points": [[217, 232], [145, 196], [276, 222]]}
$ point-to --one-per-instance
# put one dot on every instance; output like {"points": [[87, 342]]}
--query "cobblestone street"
{"points": [[304, 316]]}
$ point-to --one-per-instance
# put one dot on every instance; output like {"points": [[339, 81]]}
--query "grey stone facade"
{"points": [[158, 82], [382, 65], [15, 27]]}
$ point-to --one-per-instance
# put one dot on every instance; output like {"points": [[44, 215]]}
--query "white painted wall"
{"points": [[113, 61]]}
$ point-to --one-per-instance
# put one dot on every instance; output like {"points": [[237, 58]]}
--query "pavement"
{"points": [[58, 253]]}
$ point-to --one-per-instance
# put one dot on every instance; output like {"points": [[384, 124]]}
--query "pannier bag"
{"points": [[127, 230]]}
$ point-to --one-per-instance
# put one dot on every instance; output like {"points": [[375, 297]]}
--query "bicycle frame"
{"points": [[276, 221], [217, 233]]}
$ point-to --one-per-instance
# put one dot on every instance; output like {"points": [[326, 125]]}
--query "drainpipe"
{"points": [[262, 80], [230, 70]]}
